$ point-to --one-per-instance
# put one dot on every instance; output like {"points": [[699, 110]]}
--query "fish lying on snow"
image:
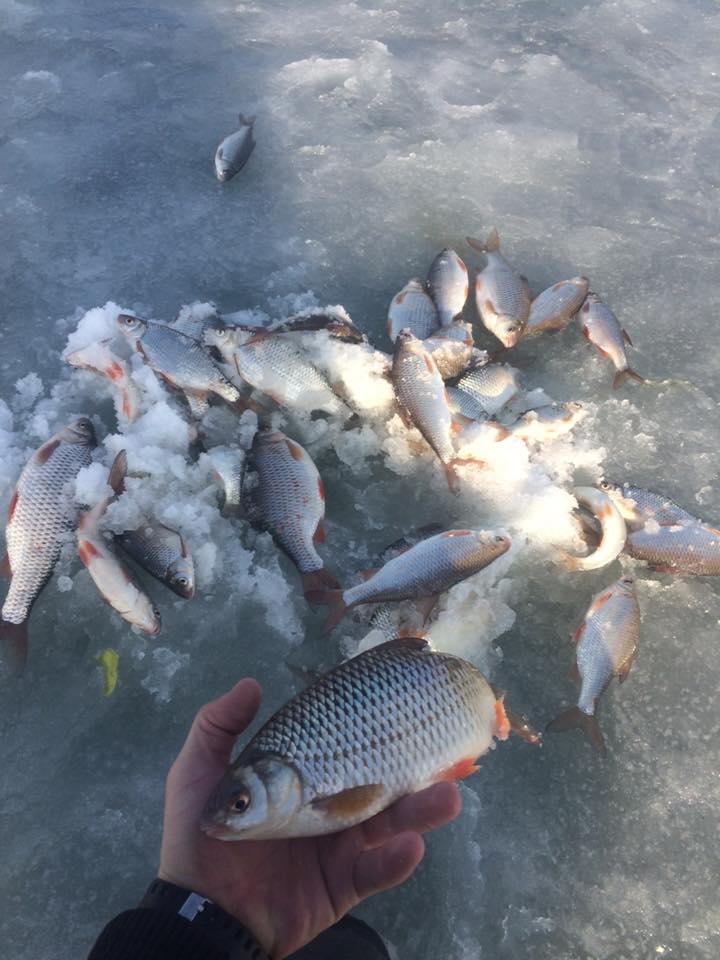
{"points": [[423, 399], [501, 294], [99, 358], [547, 422], [423, 572], [288, 500], [448, 285], [112, 578], [333, 320], [163, 552], [555, 307], [234, 151], [602, 328], [181, 362], [612, 525], [491, 385], [272, 364], [412, 309], [639, 506], [606, 643], [391, 721], [40, 515], [227, 465]]}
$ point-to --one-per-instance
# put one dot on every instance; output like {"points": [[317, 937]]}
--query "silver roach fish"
{"points": [[639, 506], [448, 285], [602, 328], [181, 362], [612, 526], [547, 423], [412, 309], [423, 572], [227, 465], [391, 721], [163, 552], [40, 515], [99, 358], [555, 307], [423, 399], [606, 642], [501, 294], [234, 151], [112, 578], [274, 365], [491, 385], [288, 500]]}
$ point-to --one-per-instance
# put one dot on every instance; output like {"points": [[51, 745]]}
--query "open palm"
{"points": [[284, 891]]}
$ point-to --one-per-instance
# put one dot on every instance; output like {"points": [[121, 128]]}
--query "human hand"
{"points": [[285, 892]]}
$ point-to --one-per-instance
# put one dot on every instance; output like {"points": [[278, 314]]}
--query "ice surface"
{"points": [[587, 133]]}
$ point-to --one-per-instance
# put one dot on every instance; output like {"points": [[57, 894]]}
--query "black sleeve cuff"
{"points": [[157, 931]]}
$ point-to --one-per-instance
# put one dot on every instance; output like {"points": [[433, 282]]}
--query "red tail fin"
{"points": [[317, 584], [14, 637], [575, 718], [622, 375]]}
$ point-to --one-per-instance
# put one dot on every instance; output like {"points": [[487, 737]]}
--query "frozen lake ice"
{"points": [[588, 134]]}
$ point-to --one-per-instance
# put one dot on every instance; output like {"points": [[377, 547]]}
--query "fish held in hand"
{"points": [[448, 285], [234, 151], [555, 307], [412, 309], [288, 500], [421, 393], [99, 358], [163, 552], [40, 515], [112, 578], [602, 328], [502, 295], [391, 721], [606, 643], [613, 530], [425, 571]]}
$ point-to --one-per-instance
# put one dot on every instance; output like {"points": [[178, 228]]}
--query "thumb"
{"points": [[217, 724]]}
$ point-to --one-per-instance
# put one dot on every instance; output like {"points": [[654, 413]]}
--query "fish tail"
{"points": [[14, 638], [451, 472], [575, 718], [318, 582], [489, 246], [332, 598], [118, 472], [622, 375]]}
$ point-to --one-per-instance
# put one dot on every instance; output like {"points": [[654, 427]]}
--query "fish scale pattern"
{"points": [[448, 284], [692, 548], [421, 391], [184, 362], [288, 499], [491, 385], [395, 715], [430, 567], [274, 366], [414, 310], [160, 550], [42, 517]]}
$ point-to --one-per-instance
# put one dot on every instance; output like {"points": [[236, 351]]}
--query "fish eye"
{"points": [[499, 539], [241, 802], [183, 581], [627, 579]]}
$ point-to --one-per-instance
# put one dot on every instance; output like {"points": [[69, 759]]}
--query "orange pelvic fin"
{"points": [[350, 802]]}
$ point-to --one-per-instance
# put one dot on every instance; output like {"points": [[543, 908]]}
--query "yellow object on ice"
{"points": [[108, 660]]}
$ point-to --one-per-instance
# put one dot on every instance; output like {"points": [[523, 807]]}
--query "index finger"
{"points": [[218, 723]]}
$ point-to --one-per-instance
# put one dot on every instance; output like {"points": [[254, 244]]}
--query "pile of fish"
{"points": [[289, 780]]}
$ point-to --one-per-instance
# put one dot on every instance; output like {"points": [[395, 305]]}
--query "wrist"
{"points": [[202, 913]]}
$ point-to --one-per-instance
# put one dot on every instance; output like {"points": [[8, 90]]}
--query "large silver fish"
{"points": [[423, 572], [492, 385], [234, 151], [501, 294], [288, 500], [99, 358], [448, 285], [163, 552], [602, 328], [422, 396], [555, 307], [412, 309], [40, 515], [606, 643], [273, 364], [391, 721], [181, 362], [691, 548], [639, 506], [112, 578]]}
